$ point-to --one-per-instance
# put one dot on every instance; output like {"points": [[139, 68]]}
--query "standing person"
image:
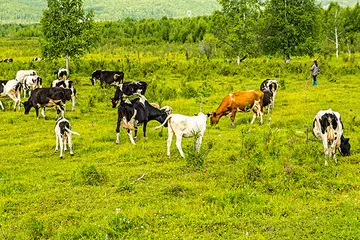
{"points": [[314, 71]]}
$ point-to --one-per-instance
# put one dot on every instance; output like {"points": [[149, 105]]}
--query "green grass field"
{"points": [[250, 182]]}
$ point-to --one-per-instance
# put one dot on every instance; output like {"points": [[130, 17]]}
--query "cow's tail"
{"points": [[72, 131], [330, 131], [168, 117]]}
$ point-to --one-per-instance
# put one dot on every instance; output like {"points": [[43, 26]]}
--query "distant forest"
{"points": [[296, 29], [30, 11]]}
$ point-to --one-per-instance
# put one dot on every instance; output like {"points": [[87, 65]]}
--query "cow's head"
{"points": [[344, 146], [27, 107], [95, 75], [114, 102], [214, 118]]}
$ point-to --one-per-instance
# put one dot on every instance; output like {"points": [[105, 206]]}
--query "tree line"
{"points": [[241, 28]]}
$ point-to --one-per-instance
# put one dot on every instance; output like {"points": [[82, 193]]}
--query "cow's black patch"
{"points": [[327, 119]]}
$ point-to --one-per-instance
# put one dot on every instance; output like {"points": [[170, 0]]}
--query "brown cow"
{"points": [[239, 102]]}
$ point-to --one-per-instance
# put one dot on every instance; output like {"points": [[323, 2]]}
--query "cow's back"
{"points": [[245, 99]]}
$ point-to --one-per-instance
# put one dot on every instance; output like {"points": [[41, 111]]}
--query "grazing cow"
{"points": [[272, 86], [138, 111], [47, 97], [10, 88], [37, 59], [114, 78], [128, 89], [21, 74], [239, 102], [268, 99], [7, 60], [62, 74], [185, 126], [328, 127], [63, 134], [30, 83], [67, 84]]}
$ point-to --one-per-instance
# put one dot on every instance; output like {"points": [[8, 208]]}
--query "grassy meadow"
{"points": [[250, 182]]}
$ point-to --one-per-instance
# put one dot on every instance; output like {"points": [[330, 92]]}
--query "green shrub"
{"points": [[88, 175]]}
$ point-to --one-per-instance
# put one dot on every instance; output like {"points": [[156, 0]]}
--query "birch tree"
{"points": [[67, 30]]}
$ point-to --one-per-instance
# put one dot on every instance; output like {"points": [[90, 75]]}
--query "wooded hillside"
{"points": [[30, 11]]}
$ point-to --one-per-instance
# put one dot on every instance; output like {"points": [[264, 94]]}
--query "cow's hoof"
{"points": [[56, 151], [71, 154], [61, 157]]}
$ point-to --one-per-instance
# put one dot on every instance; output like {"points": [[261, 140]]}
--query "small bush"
{"points": [[125, 186], [88, 175]]}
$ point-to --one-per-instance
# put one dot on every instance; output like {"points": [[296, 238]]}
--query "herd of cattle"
{"points": [[327, 124]]}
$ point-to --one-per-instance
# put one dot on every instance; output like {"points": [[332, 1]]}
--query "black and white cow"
{"points": [[328, 127], [7, 60], [63, 134], [21, 74], [47, 97], [114, 78], [62, 74], [138, 111], [10, 88], [30, 83], [272, 86], [128, 89], [67, 84]]}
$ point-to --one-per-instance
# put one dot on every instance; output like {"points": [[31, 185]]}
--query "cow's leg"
{"points": [[118, 129], [178, 145], [37, 112], [24, 93], [61, 140], [326, 147], [198, 143], [144, 128], [2, 106], [43, 112], [261, 113], [135, 132], [73, 102], [273, 99], [169, 140], [70, 144], [233, 114], [13, 97], [254, 117], [65, 142], [130, 136], [57, 143]]}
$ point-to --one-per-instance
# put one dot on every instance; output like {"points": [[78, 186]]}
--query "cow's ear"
{"points": [[346, 140]]}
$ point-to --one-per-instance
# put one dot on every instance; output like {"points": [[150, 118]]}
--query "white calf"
{"points": [[30, 83], [185, 126], [11, 89], [63, 134], [21, 74]]}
